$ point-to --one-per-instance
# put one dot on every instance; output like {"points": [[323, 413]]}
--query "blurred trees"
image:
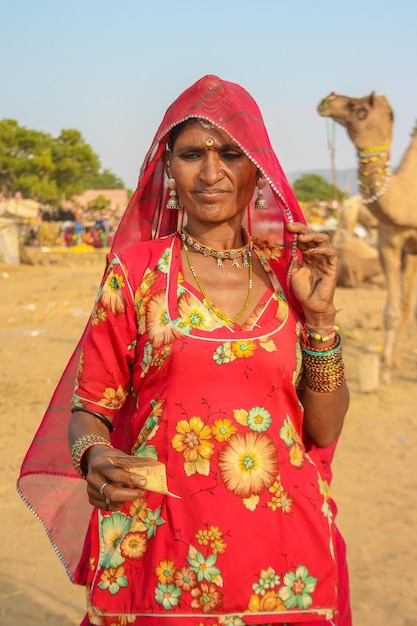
{"points": [[46, 168], [310, 187], [100, 203], [74, 160], [104, 180]]}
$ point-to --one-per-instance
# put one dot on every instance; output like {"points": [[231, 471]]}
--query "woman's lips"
{"points": [[210, 193]]}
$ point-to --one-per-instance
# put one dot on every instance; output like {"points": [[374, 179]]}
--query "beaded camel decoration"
{"points": [[391, 196]]}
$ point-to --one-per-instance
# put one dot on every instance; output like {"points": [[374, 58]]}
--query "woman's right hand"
{"points": [[109, 486]]}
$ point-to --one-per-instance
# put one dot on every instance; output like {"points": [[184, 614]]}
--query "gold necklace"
{"points": [[219, 255], [207, 300]]}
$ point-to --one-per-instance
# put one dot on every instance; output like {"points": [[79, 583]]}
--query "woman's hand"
{"points": [[314, 279], [109, 486]]}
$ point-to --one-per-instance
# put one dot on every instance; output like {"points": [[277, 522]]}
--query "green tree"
{"points": [[104, 180], [74, 161], [26, 163], [42, 167], [99, 204], [311, 187]]}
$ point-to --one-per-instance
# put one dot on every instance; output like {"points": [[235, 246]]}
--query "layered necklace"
{"points": [[233, 255]]}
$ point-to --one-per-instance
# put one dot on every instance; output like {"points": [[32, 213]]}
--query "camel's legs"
{"points": [[391, 263], [408, 302]]}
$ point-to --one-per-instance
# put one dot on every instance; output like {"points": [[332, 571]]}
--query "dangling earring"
{"points": [[260, 202], [173, 202]]}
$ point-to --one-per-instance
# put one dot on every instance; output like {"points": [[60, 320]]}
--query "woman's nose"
{"points": [[211, 170]]}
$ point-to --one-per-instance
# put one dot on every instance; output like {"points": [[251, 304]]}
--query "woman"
{"points": [[214, 354]]}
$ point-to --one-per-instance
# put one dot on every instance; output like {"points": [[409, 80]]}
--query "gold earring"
{"points": [[173, 202], [260, 202]]}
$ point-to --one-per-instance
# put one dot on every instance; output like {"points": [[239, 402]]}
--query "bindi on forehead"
{"points": [[194, 131], [196, 137]]}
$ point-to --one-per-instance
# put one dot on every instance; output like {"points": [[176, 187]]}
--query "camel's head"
{"points": [[365, 119]]}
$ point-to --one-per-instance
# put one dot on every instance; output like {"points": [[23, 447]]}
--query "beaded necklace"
{"points": [[219, 255], [374, 181], [207, 300]]}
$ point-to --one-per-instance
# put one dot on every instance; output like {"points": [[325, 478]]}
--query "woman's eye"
{"points": [[190, 156], [230, 156]]}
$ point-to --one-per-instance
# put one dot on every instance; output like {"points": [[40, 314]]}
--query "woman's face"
{"points": [[214, 179]]}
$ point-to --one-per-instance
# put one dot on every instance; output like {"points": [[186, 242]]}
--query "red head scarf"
{"points": [[232, 109], [48, 483]]}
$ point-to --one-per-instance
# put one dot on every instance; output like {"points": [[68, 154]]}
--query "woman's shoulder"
{"points": [[144, 252]]}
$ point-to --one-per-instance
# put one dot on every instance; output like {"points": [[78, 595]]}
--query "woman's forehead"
{"points": [[194, 132]]}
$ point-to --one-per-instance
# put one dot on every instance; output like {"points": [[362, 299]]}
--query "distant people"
{"points": [[78, 230], [69, 237]]}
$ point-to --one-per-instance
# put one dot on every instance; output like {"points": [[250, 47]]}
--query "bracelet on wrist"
{"points": [[81, 445], [324, 370], [319, 333]]}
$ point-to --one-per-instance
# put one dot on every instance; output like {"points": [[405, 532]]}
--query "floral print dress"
{"points": [[250, 540]]}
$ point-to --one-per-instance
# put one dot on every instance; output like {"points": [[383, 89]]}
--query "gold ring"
{"points": [[101, 490]]}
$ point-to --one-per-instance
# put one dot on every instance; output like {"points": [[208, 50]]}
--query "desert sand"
{"points": [[43, 309]]}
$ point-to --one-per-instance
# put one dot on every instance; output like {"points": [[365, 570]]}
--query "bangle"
{"points": [[99, 416], [324, 370], [320, 353], [81, 445], [320, 333]]}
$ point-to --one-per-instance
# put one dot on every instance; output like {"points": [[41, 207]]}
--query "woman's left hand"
{"points": [[314, 279]]}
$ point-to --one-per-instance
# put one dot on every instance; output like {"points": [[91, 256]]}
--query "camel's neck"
{"points": [[374, 172], [408, 163]]}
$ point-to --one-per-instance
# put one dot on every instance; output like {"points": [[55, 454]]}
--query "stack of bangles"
{"points": [[83, 443], [80, 447], [324, 370]]}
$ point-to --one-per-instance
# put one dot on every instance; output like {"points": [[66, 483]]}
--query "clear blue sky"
{"points": [[111, 68]]}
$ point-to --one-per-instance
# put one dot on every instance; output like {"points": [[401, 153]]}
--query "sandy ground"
{"points": [[43, 309]]}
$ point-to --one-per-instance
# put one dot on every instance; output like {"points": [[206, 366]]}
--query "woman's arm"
{"points": [[103, 381], [324, 393], [324, 414]]}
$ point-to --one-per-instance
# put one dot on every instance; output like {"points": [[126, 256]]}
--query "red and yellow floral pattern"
{"points": [[250, 538]]}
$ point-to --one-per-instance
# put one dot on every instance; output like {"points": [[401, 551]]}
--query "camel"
{"points": [[358, 263], [392, 198], [352, 213], [357, 253]]}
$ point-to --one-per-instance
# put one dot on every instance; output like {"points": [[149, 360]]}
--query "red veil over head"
{"points": [[232, 109], [47, 482]]}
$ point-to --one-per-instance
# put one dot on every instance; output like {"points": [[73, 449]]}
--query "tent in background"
{"points": [[13, 213]]}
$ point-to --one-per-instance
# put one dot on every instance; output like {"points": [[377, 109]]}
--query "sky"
{"points": [[110, 69]]}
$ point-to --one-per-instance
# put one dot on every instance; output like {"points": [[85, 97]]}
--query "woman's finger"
{"points": [[111, 496]]}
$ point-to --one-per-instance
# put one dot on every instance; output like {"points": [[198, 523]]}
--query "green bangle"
{"points": [[334, 348]]}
